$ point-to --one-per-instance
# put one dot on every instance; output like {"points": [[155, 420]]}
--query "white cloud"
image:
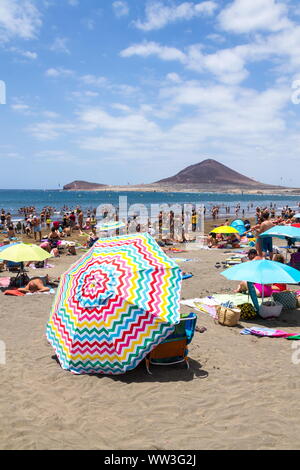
{"points": [[93, 80], [228, 65], [60, 45], [58, 156], [120, 8], [27, 54], [97, 118], [50, 115], [231, 65], [59, 72], [173, 77], [11, 156], [21, 108], [225, 121], [50, 130], [159, 15], [89, 23], [147, 49], [19, 19], [245, 16]]}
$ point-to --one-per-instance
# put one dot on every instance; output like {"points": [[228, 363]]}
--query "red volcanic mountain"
{"points": [[210, 172]]}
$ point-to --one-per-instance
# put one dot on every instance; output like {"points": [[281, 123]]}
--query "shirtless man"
{"points": [[37, 227], [265, 244], [80, 220], [35, 285]]}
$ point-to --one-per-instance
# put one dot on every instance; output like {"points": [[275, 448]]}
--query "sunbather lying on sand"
{"points": [[35, 285]]}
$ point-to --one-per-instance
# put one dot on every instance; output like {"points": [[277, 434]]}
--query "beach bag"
{"points": [[270, 309], [39, 264], [248, 312], [19, 281], [228, 316], [287, 298], [297, 294]]}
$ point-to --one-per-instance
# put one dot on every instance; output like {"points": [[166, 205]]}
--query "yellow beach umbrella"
{"points": [[225, 229], [21, 252]]}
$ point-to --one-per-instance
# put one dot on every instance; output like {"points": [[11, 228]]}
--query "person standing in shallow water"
{"points": [[36, 223], [80, 220]]}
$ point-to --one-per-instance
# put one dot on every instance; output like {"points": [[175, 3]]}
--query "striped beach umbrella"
{"points": [[114, 305]]}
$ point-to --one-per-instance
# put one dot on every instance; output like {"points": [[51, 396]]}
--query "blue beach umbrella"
{"points": [[239, 226], [282, 231], [263, 272]]}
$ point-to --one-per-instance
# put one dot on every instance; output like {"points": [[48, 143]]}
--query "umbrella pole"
{"points": [[21, 270]]}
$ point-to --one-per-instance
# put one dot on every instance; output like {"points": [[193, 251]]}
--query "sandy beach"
{"points": [[241, 392]]}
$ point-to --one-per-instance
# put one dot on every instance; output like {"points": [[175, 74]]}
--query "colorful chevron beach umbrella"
{"points": [[113, 306]]}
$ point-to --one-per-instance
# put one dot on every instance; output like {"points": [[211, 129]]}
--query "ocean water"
{"points": [[12, 200]]}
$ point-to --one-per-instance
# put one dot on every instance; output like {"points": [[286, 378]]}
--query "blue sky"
{"points": [[133, 91]]}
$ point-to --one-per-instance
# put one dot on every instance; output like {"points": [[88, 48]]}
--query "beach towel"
{"points": [[48, 266], [192, 302], [14, 292], [236, 298], [177, 250], [184, 260], [205, 308], [51, 291], [4, 281], [269, 332]]}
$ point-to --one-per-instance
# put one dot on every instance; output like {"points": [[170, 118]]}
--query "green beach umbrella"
{"points": [[22, 252]]}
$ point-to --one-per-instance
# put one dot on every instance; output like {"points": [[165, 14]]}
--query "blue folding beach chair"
{"points": [[253, 295], [173, 349]]}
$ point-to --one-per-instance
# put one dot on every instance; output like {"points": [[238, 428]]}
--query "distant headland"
{"points": [[206, 176]]}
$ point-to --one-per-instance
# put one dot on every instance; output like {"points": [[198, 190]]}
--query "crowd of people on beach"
{"points": [[50, 227], [62, 223], [266, 218], [263, 248]]}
